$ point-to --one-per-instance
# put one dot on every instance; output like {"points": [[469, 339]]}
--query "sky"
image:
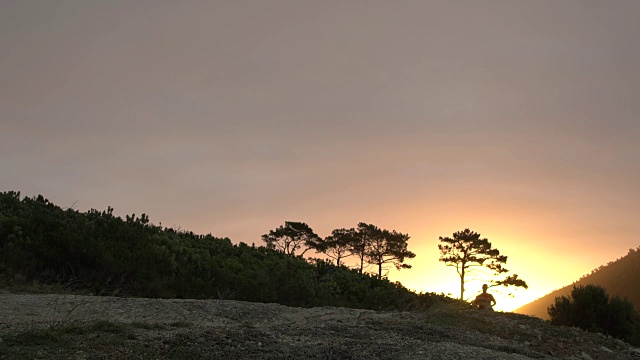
{"points": [[517, 119]]}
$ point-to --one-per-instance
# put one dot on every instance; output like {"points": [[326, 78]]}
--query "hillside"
{"points": [[54, 327], [100, 253], [144, 291], [620, 277]]}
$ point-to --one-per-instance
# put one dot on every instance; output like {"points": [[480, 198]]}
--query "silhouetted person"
{"points": [[484, 301]]}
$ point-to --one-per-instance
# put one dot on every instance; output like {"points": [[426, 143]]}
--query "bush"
{"points": [[591, 309]]}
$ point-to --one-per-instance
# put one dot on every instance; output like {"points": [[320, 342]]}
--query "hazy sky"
{"points": [[518, 119]]}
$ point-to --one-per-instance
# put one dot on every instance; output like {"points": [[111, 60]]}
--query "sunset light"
{"points": [[517, 120]]}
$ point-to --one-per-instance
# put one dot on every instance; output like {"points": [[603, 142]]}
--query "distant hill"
{"points": [[620, 277]]}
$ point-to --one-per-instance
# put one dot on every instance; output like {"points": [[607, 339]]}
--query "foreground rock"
{"points": [[208, 329]]}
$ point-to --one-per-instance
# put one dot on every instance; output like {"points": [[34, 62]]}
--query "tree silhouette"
{"points": [[337, 245], [291, 237], [360, 243], [386, 247], [467, 250]]}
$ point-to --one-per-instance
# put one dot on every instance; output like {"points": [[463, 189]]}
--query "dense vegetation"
{"points": [[590, 308], [100, 253]]}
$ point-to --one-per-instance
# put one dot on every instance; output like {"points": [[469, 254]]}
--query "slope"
{"points": [[620, 277], [56, 327]]}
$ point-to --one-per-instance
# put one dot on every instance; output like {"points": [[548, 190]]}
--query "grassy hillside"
{"points": [[99, 253], [620, 277]]}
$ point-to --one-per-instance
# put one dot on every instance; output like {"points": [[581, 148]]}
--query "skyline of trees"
{"points": [[372, 245], [375, 250], [95, 252]]}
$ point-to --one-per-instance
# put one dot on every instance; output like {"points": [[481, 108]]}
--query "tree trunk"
{"points": [[462, 284], [380, 270]]}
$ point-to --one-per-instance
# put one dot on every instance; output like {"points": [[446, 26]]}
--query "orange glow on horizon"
{"points": [[538, 256]]}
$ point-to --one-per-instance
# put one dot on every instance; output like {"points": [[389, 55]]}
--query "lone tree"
{"points": [[291, 237], [337, 245], [386, 247], [468, 250]]}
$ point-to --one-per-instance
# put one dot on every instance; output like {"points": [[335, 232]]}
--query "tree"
{"points": [[386, 247], [360, 243], [337, 245], [291, 237], [467, 250]]}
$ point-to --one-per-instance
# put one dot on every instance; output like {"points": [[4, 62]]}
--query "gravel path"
{"points": [[241, 330]]}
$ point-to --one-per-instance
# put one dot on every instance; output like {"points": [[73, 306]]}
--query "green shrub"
{"points": [[591, 309], [103, 254]]}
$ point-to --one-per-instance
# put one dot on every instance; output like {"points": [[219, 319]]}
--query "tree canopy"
{"points": [[290, 237], [337, 246], [386, 247], [370, 244]]}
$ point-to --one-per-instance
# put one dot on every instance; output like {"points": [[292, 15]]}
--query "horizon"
{"points": [[517, 120], [471, 291]]}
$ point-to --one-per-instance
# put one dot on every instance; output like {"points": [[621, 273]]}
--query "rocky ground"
{"points": [[90, 327]]}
